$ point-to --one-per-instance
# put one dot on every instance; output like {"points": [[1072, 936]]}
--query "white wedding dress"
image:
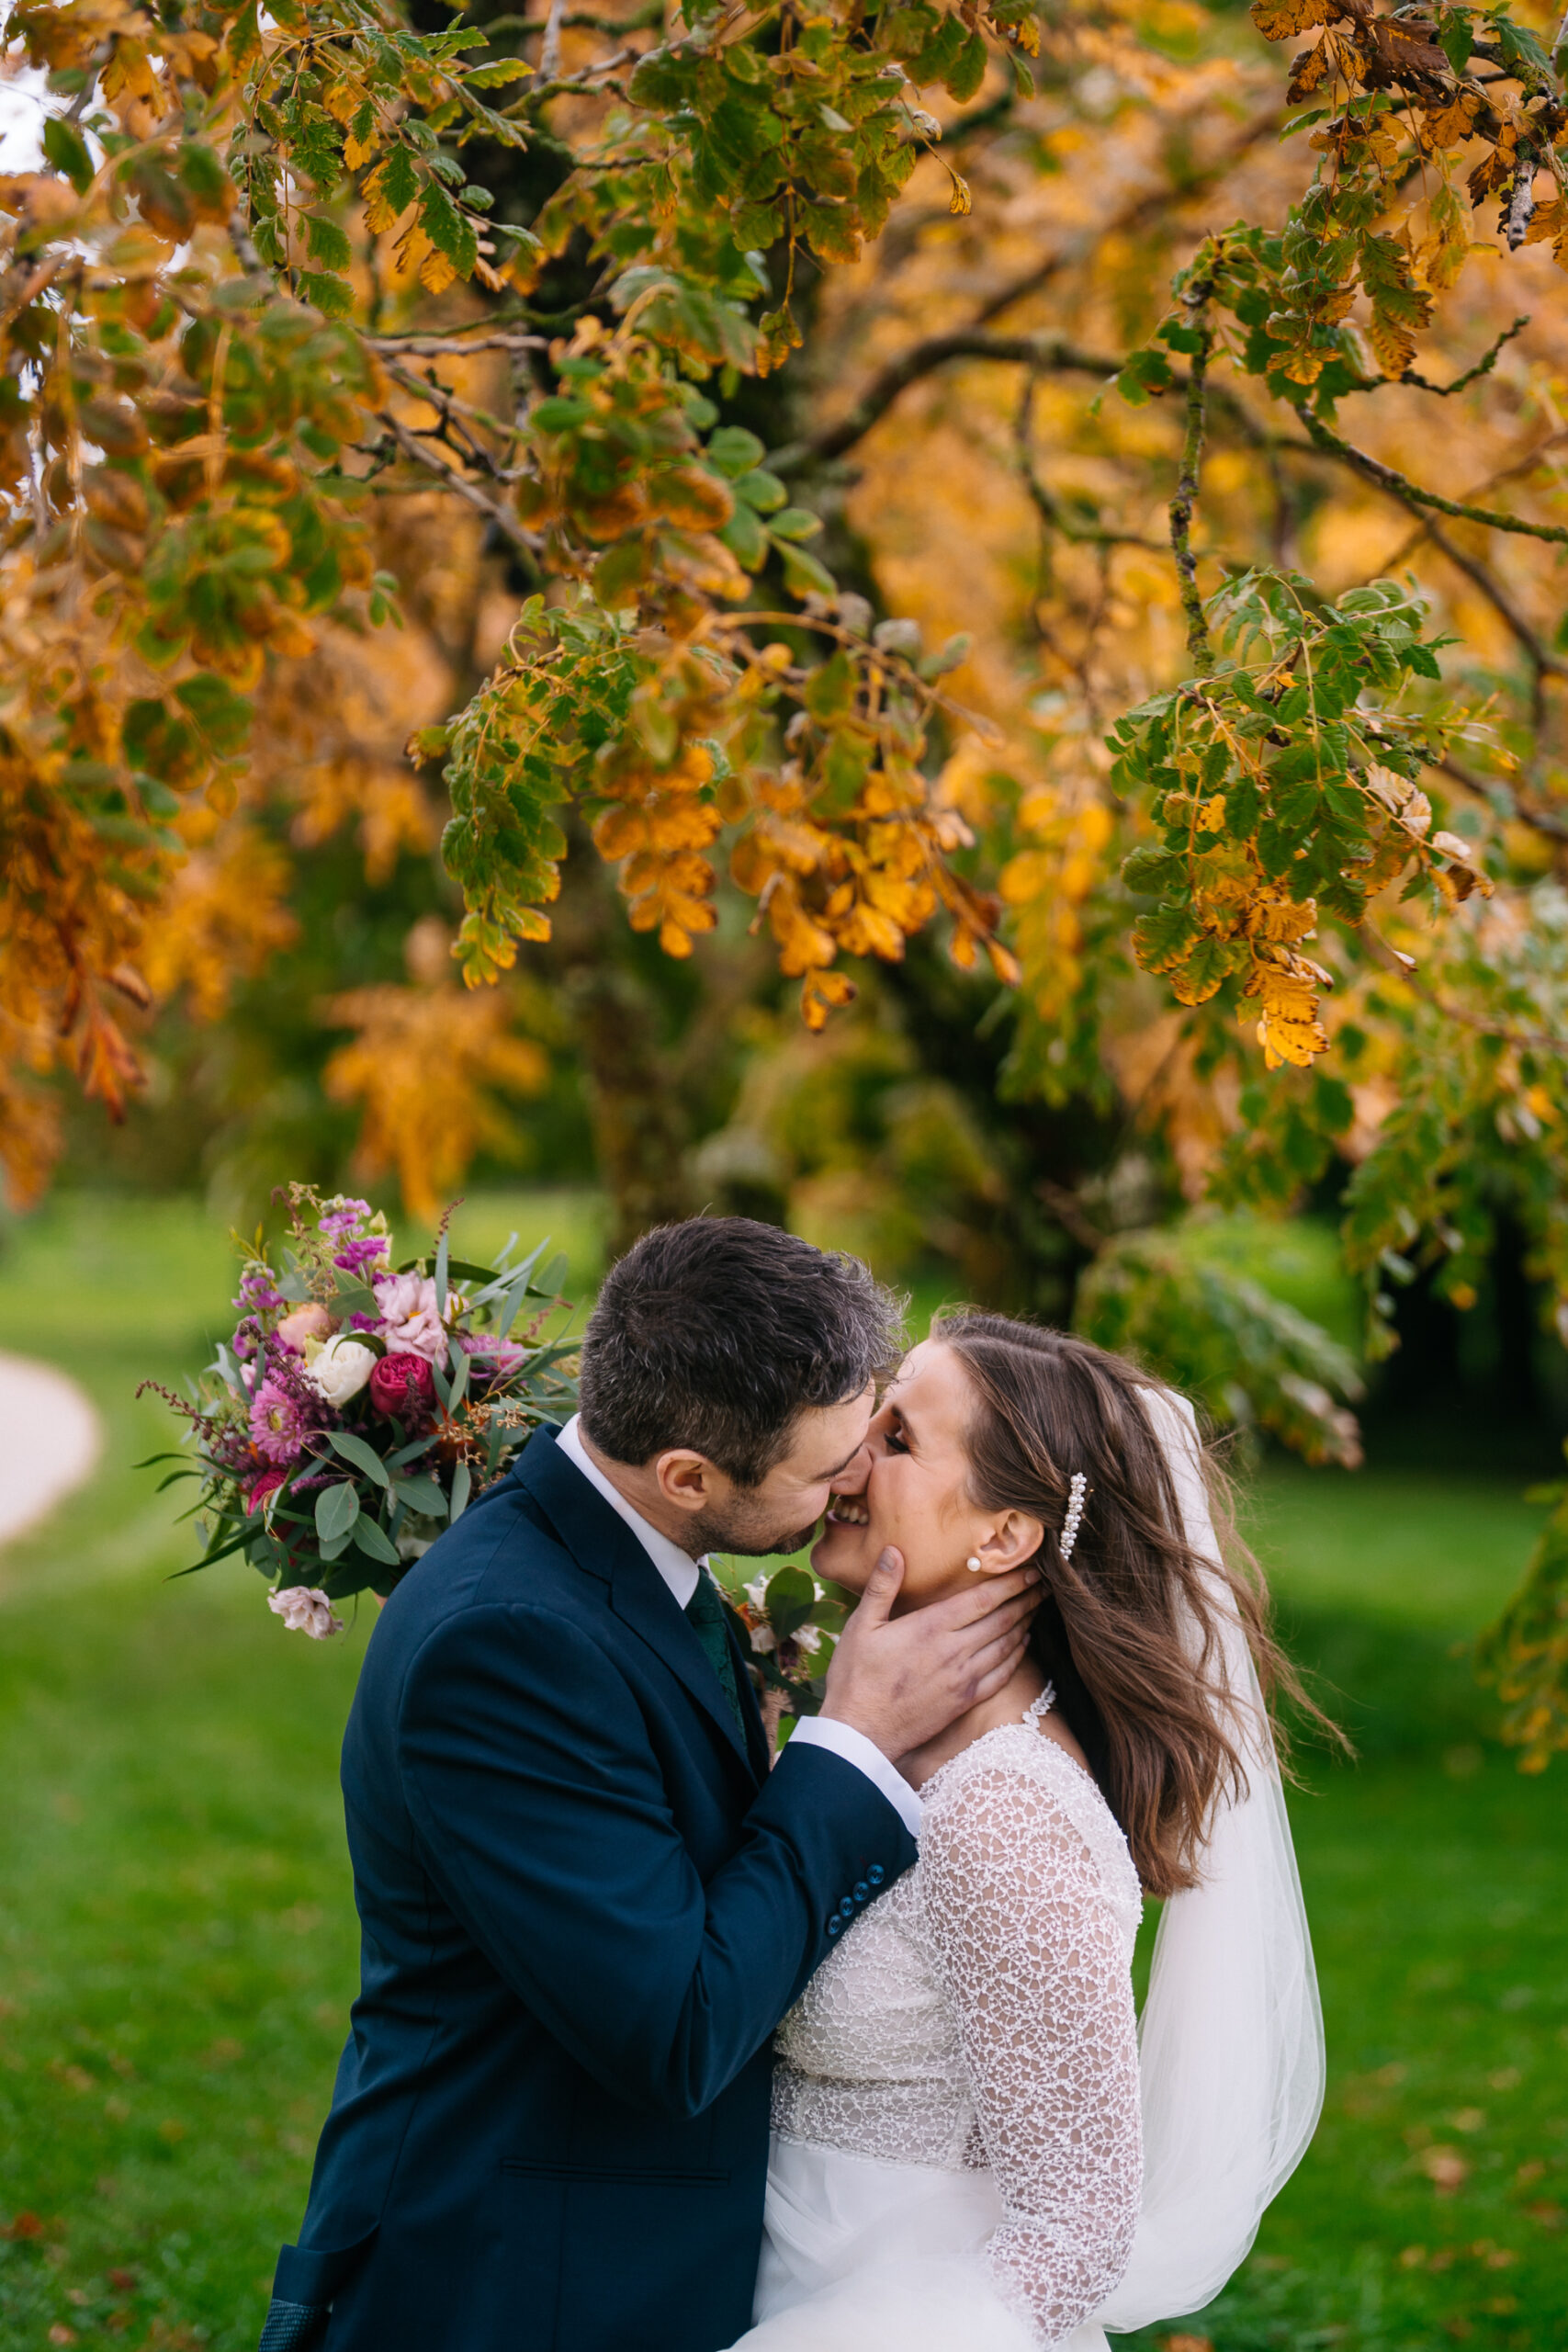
{"points": [[975, 2148]]}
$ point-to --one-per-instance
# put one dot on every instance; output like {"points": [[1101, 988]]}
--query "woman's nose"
{"points": [[852, 1481]]}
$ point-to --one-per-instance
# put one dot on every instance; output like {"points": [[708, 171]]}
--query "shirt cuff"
{"points": [[842, 1739]]}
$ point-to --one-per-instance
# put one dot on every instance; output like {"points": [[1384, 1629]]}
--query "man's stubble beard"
{"points": [[743, 1531]]}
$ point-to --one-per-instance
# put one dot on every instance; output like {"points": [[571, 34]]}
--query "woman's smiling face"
{"points": [[915, 1494]]}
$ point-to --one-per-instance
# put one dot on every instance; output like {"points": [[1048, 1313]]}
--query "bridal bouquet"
{"points": [[788, 1623], [361, 1403]]}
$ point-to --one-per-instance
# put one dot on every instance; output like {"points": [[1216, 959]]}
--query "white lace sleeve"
{"points": [[1036, 1966]]}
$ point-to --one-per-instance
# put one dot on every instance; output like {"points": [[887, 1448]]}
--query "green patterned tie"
{"points": [[704, 1614]]}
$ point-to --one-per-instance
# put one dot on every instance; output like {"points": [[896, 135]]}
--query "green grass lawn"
{"points": [[177, 1944]]}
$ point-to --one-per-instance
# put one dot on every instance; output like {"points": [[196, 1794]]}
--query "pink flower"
{"points": [[304, 1610], [267, 1484], [410, 1322], [492, 1358], [309, 1322], [402, 1384], [342, 1215], [277, 1428]]}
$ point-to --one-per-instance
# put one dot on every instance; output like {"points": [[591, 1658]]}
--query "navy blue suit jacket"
{"points": [[585, 1904]]}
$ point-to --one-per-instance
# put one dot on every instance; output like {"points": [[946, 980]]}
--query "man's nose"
{"points": [[851, 1479]]}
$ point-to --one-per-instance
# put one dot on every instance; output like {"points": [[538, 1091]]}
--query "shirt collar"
{"points": [[679, 1570]]}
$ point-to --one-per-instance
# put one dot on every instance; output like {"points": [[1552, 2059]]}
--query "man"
{"points": [[586, 1902]]}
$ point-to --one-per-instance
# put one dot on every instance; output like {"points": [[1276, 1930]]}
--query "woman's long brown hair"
{"points": [[1129, 1629]]}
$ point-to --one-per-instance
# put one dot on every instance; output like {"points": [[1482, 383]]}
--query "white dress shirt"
{"points": [[680, 1573]]}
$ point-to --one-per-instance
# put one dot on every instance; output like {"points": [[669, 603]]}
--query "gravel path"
{"points": [[49, 1441]]}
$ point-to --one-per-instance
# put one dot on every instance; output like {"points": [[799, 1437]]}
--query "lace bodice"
{"points": [[979, 2017]]}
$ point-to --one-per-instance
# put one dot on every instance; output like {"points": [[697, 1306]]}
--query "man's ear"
{"points": [[686, 1479], [1016, 1538]]}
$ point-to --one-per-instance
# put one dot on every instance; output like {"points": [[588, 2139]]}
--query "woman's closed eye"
{"points": [[893, 1438]]}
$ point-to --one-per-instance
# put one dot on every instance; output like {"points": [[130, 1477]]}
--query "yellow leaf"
{"points": [[1278, 19]]}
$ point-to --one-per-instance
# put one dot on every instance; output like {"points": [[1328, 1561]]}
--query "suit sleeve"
{"points": [[526, 1768]]}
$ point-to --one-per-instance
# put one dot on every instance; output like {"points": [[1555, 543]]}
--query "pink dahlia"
{"points": [[278, 1426]]}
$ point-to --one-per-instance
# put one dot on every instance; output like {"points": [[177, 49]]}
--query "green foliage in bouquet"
{"points": [[787, 1625], [359, 1405]]}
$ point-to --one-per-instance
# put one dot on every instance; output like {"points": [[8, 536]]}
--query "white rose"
{"points": [[342, 1369], [305, 1610]]}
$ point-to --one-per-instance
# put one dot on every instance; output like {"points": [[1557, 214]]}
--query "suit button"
{"points": [[876, 1874], [835, 1926], [847, 1908], [862, 1892]]}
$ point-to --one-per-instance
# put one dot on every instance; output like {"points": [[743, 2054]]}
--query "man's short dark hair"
{"points": [[719, 1333]]}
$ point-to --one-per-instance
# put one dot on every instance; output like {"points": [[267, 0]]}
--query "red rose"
{"points": [[402, 1384]]}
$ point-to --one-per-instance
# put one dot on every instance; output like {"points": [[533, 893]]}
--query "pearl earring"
{"points": [[972, 1562]]}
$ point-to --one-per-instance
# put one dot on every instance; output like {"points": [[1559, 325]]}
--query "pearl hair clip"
{"points": [[1077, 1495]]}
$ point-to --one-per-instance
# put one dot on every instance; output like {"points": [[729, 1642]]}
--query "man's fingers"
{"points": [[1008, 1647], [999, 1676], [882, 1588], [985, 1594]]}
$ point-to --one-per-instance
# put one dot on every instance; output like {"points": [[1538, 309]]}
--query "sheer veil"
{"points": [[1231, 2040]]}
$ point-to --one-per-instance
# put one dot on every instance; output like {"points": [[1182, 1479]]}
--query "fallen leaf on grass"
{"points": [[1445, 2168]]}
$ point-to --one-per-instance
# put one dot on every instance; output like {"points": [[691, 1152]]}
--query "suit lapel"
{"points": [[600, 1541]]}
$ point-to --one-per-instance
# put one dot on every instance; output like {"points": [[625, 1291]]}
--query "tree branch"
{"points": [[1046, 505], [1492, 788], [972, 342], [1539, 1041], [449, 478], [1400, 486], [1037, 351], [1185, 496], [1482, 367]]}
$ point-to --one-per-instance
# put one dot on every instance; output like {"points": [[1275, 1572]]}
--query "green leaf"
{"points": [[422, 1495], [795, 523], [969, 69], [375, 1543], [334, 297], [67, 151], [364, 1457], [804, 576], [462, 1483], [790, 1599], [490, 77], [326, 242], [448, 229], [734, 451], [337, 1508], [561, 413]]}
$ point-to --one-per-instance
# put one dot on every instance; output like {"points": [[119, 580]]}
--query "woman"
{"points": [[975, 2150]]}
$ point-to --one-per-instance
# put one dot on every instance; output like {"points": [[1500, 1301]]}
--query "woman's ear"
{"points": [[1016, 1538]]}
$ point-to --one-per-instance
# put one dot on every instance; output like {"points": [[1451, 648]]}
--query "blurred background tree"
{"points": [[447, 381]]}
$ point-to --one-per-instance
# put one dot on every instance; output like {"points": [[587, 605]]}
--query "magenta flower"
{"points": [[278, 1426], [267, 1484], [355, 1255], [402, 1385], [341, 1216]]}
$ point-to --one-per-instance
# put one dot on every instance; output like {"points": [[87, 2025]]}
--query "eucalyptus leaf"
{"points": [[355, 1449], [373, 1541], [462, 1483], [421, 1495], [337, 1508]]}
